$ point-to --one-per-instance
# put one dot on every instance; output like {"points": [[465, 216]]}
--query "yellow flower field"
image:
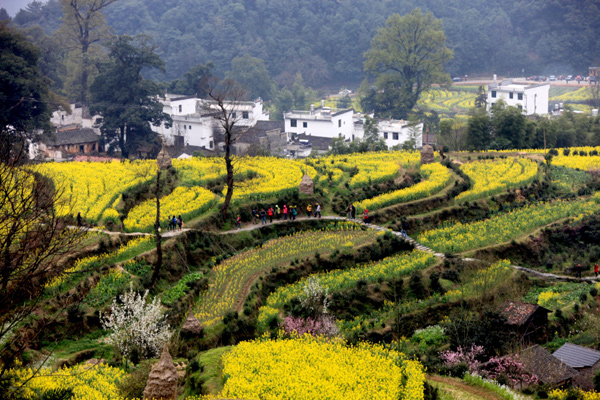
{"points": [[309, 368], [493, 176], [90, 187], [372, 167], [436, 178], [87, 382], [185, 201], [503, 227], [229, 277], [386, 269]]}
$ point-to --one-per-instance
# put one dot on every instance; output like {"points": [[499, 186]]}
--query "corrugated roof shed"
{"points": [[577, 356]]}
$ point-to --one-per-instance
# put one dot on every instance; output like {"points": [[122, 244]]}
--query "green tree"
{"points": [[24, 95], [479, 129], [195, 82], [509, 126], [408, 53], [83, 31], [252, 73], [127, 102]]}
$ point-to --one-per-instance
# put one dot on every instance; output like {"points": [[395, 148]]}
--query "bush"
{"points": [[132, 385]]}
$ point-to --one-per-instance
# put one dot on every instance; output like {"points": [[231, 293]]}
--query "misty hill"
{"points": [[325, 40]]}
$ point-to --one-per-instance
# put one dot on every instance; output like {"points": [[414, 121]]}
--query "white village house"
{"points": [[532, 99], [320, 122], [194, 124], [311, 128]]}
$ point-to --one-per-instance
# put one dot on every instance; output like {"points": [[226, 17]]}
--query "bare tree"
{"points": [[34, 241], [226, 98], [83, 28]]}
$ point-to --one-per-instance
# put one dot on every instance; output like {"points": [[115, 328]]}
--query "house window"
{"points": [[180, 108], [233, 115], [385, 135], [520, 96], [305, 124], [245, 114], [81, 148], [339, 123], [510, 95], [190, 127], [520, 107], [395, 135], [293, 123], [494, 93], [184, 127], [94, 147], [210, 144]]}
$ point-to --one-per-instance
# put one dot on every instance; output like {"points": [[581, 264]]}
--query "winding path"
{"points": [[419, 246]]}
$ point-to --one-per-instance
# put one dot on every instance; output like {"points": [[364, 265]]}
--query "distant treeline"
{"points": [[325, 40]]}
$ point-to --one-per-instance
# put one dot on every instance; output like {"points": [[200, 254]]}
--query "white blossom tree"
{"points": [[138, 328]]}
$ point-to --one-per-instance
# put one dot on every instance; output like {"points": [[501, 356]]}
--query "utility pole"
{"points": [[164, 162]]}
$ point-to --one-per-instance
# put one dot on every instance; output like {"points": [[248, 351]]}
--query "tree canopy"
{"points": [[407, 55], [24, 94], [127, 102]]}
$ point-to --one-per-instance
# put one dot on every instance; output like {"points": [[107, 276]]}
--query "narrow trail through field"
{"points": [[419, 246], [460, 390]]}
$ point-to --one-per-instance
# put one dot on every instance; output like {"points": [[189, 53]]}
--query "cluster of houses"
{"points": [[194, 128], [300, 134], [570, 364]]}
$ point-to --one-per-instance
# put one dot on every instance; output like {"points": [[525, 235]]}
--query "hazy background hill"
{"points": [[325, 40]]}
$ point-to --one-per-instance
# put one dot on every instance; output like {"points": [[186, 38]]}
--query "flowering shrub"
{"points": [[324, 325], [431, 336], [509, 368], [136, 327], [471, 357]]}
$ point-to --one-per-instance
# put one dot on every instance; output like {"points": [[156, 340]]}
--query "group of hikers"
{"points": [[174, 223], [578, 269], [277, 213]]}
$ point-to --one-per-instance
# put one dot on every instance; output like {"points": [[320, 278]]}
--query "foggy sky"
{"points": [[13, 6]]}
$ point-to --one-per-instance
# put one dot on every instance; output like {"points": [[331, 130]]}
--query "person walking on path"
{"points": [[349, 211], [271, 212], [263, 216], [318, 211], [353, 211], [79, 219], [309, 210], [277, 212], [254, 216], [366, 216], [238, 222], [596, 270], [294, 213], [180, 222], [578, 270], [285, 212]]}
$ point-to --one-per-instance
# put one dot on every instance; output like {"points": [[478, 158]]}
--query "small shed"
{"points": [[528, 320], [584, 360], [72, 141], [549, 369]]}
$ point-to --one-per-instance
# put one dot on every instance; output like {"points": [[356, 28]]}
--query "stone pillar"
{"points": [[427, 156], [306, 185], [162, 381]]}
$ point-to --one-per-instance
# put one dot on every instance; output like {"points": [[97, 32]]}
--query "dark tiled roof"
{"points": [[254, 133], [317, 142], [577, 356], [517, 313], [74, 136], [549, 369]]}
